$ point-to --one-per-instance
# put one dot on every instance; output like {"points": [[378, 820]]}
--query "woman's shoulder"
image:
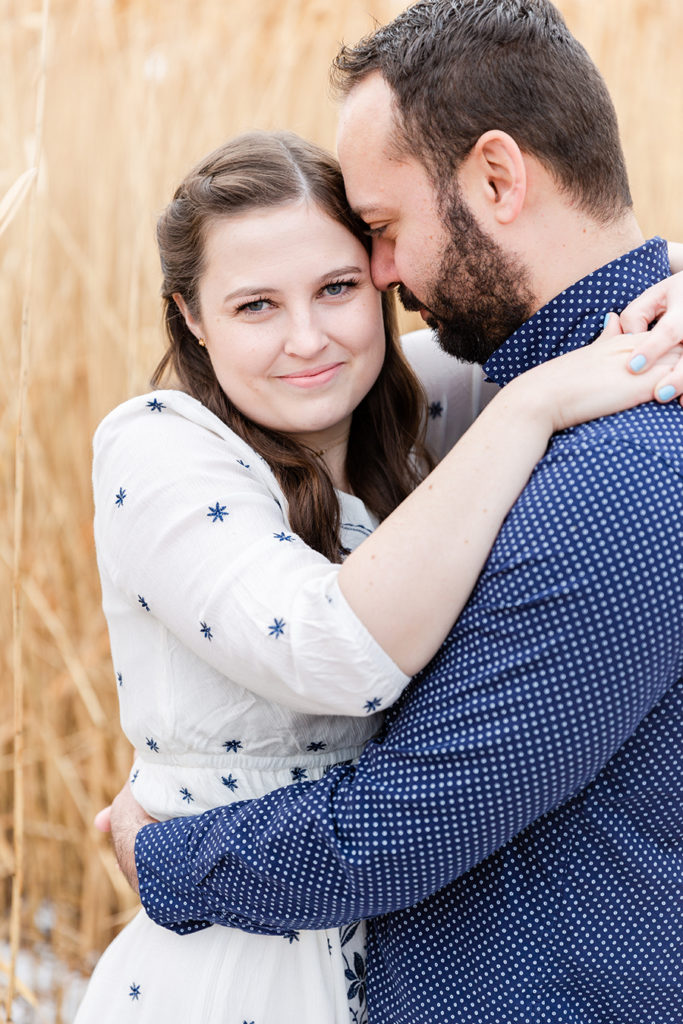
{"points": [[149, 407], [171, 427]]}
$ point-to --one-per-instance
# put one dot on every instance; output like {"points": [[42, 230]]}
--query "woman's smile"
{"points": [[315, 377]]}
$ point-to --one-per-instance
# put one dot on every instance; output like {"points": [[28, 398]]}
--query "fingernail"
{"points": [[606, 320], [638, 363], [667, 393]]}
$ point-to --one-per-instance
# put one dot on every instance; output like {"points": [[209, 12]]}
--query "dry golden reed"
{"points": [[136, 92]]}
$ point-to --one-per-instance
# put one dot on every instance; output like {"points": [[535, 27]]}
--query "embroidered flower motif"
{"points": [[277, 628], [316, 745], [233, 745], [372, 705], [356, 976], [298, 774], [217, 513], [119, 678], [186, 795], [245, 464], [134, 992], [292, 936], [134, 776], [206, 630], [120, 497], [284, 536], [435, 410], [155, 405], [143, 602], [230, 782], [152, 744]]}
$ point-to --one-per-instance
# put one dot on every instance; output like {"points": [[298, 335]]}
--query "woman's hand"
{"points": [[595, 380], [662, 302]]}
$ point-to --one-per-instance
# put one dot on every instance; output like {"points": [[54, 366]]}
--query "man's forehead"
{"points": [[366, 117], [364, 143]]}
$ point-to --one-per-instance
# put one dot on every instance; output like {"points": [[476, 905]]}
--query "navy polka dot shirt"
{"points": [[516, 829]]}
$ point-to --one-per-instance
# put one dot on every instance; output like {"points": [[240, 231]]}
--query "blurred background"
{"points": [[115, 100]]}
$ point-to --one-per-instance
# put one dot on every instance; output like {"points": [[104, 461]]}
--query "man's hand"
{"points": [[124, 819]]}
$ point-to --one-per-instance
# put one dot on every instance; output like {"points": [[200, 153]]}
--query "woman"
{"points": [[253, 635]]}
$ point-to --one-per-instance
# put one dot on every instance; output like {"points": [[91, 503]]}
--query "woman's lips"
{"points": [[313, 378]]}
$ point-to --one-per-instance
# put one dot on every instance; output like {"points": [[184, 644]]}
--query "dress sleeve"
{"points": [[192, 535], [456, 391]]}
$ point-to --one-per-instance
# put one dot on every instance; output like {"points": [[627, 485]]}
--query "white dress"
{"points": [[240, 668]]}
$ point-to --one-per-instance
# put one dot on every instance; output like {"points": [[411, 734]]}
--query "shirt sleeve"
{"points": [[456, 391], [192, 535], [572, 636]]}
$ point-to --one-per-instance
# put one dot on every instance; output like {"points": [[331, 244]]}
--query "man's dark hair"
{"points": [[459, 68]]}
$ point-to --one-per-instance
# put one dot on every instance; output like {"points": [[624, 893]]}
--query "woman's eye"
{"points": [[255, 306], [336, 288]]}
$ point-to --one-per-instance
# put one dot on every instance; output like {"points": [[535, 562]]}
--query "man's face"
{"points": [[458, 277]]}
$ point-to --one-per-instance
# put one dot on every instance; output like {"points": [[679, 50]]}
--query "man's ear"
{"points": [[191, 322], [494, 178]]}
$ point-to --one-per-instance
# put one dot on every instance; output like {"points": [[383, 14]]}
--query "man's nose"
{"points": [[382, 266]]}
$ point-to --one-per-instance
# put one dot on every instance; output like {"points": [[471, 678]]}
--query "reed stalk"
{"points": [[17, 564]]}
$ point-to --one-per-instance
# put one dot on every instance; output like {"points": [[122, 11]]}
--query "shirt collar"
{"points": [[576, 315]]}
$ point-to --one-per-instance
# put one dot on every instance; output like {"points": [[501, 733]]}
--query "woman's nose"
{"points": [[305, 335]]}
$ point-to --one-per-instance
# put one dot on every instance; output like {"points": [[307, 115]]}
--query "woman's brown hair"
{"points": [[386, 455]]}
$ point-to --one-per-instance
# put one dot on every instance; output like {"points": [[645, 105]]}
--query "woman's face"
{"points": [[291, 319]]}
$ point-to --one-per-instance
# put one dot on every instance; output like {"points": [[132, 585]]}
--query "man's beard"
{"points": [[479, 295]]}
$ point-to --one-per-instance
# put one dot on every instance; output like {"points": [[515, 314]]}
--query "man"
{"points": [[524, 800]]}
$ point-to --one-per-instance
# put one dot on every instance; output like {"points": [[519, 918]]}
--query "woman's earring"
{"points": [[201, 342]]}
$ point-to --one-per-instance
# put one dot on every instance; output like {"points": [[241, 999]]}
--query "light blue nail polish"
{"points": [[606, 320], [666, 394], [638, 363]]}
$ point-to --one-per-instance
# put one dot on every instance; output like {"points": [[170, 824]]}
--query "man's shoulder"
{"points": [[654, 431]]}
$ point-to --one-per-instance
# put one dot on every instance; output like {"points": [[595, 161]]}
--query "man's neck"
{"points": [[574, 247]]}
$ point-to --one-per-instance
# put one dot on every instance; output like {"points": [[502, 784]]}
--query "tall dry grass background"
{"points": [[135, 92]]}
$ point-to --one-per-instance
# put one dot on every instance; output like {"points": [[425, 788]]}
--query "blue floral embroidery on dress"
{"points": [[134, 776], [206, 630], [316, 745], [119, 678], [245, 464], [233, 745], [186, 795], [277, 628], [435, 410], [134, 992], [293, 936], [155, 405], [152, 744], [298, 774], [120, 497], [372, 705], [217, 513], [356, 975], [283, 536], [230, 782], [143, 602]]}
